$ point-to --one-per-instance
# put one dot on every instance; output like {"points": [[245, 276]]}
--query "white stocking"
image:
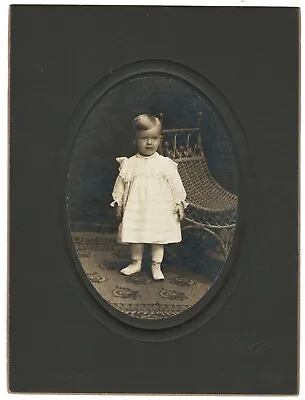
{"points": [[136, 256], [157, 252]]}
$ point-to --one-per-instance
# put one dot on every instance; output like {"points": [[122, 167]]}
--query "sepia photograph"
{"points": [[152, 196], [153, 200]]}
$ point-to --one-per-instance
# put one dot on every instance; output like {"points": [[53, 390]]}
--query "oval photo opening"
{"points": [[152, 196]]}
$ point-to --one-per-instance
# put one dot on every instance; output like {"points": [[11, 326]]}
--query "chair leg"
{"points": [[222, 235]]}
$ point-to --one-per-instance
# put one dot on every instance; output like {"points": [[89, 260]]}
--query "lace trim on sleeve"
{"points": [[176, 183]]}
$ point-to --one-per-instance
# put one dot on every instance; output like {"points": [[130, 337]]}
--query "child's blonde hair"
{"points": [[145, 122]]}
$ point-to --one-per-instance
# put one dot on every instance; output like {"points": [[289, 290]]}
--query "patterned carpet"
{"points": [[138, 295]]}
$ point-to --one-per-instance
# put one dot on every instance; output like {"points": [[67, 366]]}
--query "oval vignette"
{"points": [[201, 265]]}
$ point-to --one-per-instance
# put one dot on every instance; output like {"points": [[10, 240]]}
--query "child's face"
{"points": [[148, 141]]}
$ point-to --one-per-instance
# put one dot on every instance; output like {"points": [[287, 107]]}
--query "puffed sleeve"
{"points": [[176, 183], [120, 183]]}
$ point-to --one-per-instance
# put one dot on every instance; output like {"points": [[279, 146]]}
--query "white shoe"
{"points": [[156, 272], [132, 268]]}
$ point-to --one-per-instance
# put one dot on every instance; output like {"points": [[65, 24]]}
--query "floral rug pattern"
{"points": [[138, 295]]}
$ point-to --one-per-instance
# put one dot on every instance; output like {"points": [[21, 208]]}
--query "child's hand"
{"points": [[180, 211], [119, 212]]}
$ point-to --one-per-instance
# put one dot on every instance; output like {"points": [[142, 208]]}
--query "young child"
{"points": [[149, 197]]}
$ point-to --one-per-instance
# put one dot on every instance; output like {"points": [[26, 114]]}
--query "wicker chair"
{"points": [[212, 208]]}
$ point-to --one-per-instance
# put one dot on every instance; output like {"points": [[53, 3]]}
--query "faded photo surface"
{"points": [[152, 202]]}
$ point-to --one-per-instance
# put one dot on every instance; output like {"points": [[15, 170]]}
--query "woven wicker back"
{"points": [[201, 188], [184, 145]]}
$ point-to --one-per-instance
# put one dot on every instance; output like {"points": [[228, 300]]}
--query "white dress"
{"points": [[149, 188]]}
